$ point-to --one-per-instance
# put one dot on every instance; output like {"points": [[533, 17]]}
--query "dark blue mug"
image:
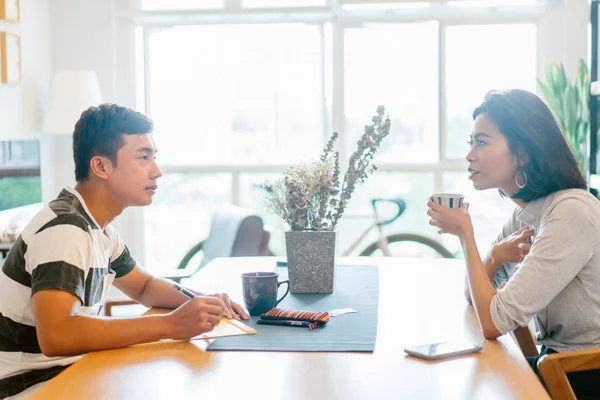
{"points": [[260, 291]]}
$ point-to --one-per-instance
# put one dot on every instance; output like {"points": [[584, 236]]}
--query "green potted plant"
{"points": [[311, 198], [569, 101]]}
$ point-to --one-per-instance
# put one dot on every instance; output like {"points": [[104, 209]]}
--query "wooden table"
{"points": [[420, 301]]}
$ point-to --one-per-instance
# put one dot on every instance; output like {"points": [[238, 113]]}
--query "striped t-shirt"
{"points": [[62, 248]]}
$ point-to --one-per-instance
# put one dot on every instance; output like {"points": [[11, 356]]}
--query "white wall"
{"points": [[21, 106], [563, 34], [86, 36], [82, 39]]}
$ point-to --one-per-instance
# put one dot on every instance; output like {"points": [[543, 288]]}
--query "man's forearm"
{"points": [[159, 292], [80, 334]]}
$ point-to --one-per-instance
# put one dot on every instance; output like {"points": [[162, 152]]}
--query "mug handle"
{"points": [[286, 291]]}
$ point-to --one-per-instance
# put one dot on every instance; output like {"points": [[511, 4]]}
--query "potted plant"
{"points": [[569, 101], [311, 198]]}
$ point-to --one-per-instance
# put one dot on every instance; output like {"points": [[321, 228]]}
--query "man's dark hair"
{"points": [[99, 133], [537, 141]]}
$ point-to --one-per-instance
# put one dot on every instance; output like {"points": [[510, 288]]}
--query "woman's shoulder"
{"points": [[574, 202], [574, 195]]}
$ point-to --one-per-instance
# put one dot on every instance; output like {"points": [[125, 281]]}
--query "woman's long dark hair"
{"points": [[537, 141]]}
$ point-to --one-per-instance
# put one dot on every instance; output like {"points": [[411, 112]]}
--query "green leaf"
{"points": [[570, 110], [561, 77], [569, 101]]}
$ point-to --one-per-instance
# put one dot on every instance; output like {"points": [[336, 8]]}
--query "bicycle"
{"points": [[396, 244]]}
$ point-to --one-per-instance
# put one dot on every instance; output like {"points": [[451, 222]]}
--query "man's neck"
{"points": [[103, 207]]}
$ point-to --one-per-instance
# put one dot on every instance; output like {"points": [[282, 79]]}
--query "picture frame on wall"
{"points": [[10, 10], [10, 58]]}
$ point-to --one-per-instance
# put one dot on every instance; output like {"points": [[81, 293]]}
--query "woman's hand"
{"points": [[513, 248], [455, 221]]}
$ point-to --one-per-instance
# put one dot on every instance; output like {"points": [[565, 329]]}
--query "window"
{"points": [[412, 187], [19, 191], [236, 94], [383, 66], [246, 92], [283, 3], [480, 58], [179, 217], [19, 174], [154, 5]]}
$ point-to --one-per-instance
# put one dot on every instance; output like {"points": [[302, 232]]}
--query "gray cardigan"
{"points": [[558, 283]]}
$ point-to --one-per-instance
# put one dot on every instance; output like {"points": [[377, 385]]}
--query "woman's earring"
{"points": [[524, 179]]}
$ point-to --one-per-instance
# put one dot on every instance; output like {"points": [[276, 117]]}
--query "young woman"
{"points": [[518, 148]]}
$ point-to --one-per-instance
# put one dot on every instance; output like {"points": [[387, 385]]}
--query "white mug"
{"points": [[452, 200]]}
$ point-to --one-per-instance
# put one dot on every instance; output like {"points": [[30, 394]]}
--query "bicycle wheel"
{"points": [[409, 245]]}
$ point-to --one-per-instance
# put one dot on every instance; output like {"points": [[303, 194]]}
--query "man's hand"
{"points": [[513, 248], [233, 309], [195, 317]]}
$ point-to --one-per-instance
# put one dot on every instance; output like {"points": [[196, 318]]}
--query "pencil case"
{"points": [[317, 319]]}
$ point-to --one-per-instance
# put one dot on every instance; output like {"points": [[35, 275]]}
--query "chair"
{"points": [[234, 232], [554, 369], [522, 335]]}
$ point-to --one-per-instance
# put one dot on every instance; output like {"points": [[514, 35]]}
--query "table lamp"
{"points": [[72, 92]]}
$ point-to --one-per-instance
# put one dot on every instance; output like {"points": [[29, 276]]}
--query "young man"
{"points": [[55, 278]]}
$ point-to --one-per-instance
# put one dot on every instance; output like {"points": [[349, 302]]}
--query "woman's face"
{"points": [[491, 164]]}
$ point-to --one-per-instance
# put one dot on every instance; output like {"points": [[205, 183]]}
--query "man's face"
{"points": [[133, 179]]}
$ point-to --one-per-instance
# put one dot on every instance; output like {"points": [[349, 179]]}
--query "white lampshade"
{"points": [[73, 91]]}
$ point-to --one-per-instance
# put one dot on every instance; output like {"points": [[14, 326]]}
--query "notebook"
{"points": [[227, 327]]}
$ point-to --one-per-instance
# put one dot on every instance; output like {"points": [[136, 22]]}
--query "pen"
{"points": [[184, 291], [304, 324]]}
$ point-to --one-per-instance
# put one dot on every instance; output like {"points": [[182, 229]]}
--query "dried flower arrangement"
{"points": [[310, 196]]}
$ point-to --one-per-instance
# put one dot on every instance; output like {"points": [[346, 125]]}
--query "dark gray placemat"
{"points": [[355, 287]]}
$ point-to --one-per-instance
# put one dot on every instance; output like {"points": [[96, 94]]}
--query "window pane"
{"points": [[396, 66], [181, 4], [237, 94], [19, 153], [20, 182], [180, 216], [19, 191], [283, 3], [480, 58], [488, 210], [252, 197], [412, 187], [493, 3]]}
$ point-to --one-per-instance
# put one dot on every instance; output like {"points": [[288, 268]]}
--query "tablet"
{"points": [[436, 351]]}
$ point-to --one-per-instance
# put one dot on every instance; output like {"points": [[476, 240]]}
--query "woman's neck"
{"points": [[522, 204]]}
